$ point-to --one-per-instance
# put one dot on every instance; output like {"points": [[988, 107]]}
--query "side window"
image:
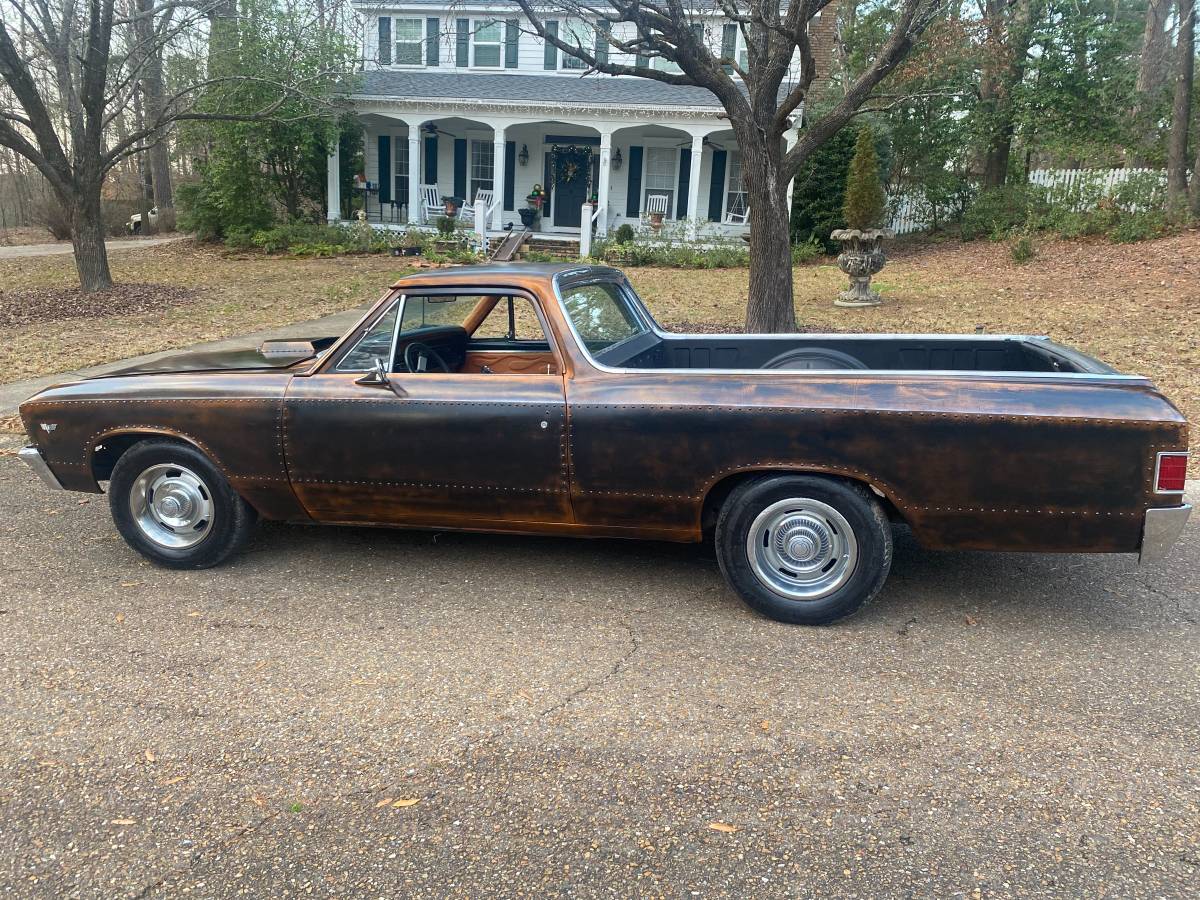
{"points": [[375, 344], [512, 319], [435, 310]]}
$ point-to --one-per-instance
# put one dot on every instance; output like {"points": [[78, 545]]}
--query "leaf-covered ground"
{"points": [[1136, 306]]}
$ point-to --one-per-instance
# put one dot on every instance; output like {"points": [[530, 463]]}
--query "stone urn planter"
{"points": [[861, 257]]}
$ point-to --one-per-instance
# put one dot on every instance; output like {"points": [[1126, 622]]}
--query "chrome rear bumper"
{"points": [[1160, 529], [32, 457]]}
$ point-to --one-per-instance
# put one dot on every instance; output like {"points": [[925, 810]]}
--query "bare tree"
{"points": [[75, 74], [1181, 107], [763, 93]]}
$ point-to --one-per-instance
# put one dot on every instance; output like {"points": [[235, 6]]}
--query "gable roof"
{"points": [[586, 91]]}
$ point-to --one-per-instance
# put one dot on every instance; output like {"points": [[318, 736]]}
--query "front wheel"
{"points": [[804, 549], [172, 505]]}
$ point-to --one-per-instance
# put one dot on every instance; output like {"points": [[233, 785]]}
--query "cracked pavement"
{"points": [[573, 717]]}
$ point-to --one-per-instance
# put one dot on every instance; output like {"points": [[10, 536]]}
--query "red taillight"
{"points": [[1170, 473]]}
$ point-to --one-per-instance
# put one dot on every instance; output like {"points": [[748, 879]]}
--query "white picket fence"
{"points": [[1080, 189]]}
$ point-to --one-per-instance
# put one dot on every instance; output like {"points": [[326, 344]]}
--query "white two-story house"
{"points": [[459, 99]]}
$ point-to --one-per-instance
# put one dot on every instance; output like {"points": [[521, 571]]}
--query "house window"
{"points": [[735, 192], [659, 176], [488, 50], [576, 34], [400, 152], [483, 166], [410, 41]]}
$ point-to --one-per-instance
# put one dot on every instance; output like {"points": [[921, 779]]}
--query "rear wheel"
{"points": [[172, 505], [804, 549]]}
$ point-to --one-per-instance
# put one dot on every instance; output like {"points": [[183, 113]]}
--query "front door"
{"points": [[571, 168], [464, 448]]}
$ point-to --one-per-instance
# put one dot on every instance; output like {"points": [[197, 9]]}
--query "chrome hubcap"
{"points": [[172, 506], [801, 549]]}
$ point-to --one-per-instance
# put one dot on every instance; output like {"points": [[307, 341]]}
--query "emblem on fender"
{"points": [[49, 426]]}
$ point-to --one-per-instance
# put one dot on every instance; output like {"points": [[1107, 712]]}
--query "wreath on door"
{"points": [[570, 162]]}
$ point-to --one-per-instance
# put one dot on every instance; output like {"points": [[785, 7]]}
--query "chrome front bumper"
{"points": [[32, 457], [1160, 529]]}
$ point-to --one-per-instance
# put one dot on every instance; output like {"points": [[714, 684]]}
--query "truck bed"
{"points": [[912, 352]]}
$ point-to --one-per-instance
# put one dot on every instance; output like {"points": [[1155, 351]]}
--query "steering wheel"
{"points": [[424, 354]]}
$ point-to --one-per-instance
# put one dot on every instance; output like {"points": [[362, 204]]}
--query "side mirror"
{"points": [[377, 376]]}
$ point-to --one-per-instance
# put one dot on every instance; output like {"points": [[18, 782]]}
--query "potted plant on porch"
{"points": [[862, 240], [529, 215]]}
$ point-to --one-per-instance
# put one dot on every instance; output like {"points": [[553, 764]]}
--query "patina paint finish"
{"points": [[1014, 463]]}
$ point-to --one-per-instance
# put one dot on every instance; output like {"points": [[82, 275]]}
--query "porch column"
{"points": [[602, 187], [333, 184], [498, 177], [693, 225], [416, 172]]}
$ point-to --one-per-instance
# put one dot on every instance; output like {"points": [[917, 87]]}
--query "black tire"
{"points": [[226, 529], [801, 505]]}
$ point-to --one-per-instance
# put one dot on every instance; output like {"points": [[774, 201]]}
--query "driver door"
{"points": [[474, 447]]}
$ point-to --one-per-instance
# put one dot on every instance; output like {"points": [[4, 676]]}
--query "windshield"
{"points": [[602, 314]]}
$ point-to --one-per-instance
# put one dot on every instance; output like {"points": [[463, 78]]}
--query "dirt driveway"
{"points": [[375, 713], [61, 248]]}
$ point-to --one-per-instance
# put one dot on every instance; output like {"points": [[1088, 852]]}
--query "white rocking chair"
{"points": [[431, 199], [657, 203], [467, 214]]}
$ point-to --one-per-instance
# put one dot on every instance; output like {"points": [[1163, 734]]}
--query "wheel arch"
{"points": [[720, 488], [105, 448]]}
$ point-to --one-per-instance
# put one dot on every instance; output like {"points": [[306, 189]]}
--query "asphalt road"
{"points": [[574, 717]]}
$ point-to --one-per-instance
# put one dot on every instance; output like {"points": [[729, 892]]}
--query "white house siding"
{"points": [[531, 47], [533, 137]]}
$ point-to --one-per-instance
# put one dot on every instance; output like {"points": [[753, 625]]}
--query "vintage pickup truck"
{"points": [[545, 399]]}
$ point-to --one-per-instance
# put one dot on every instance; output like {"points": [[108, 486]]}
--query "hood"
{"points": [[271, 355]]}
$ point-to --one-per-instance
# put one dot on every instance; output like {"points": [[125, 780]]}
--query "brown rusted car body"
{"points": [[558, 443]]}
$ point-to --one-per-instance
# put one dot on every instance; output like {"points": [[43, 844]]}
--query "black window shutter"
{"points": [[433, 29], [385, 40], [385, 168], [716, 187], [510, 174], [431, 151], [512, 43], [460, 169], [550, 57], [602, 30], [462, 42], [729, 45], [633, 196], [685, 172]]}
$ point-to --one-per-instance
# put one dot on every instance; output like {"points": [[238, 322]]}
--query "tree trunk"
{"points": [[1009, 36], [770, 308], [1181, 108], [153, 101], [87, 238], [1152, 76]]}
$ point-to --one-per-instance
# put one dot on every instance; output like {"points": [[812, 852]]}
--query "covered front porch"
{"points": [[680, 180]]}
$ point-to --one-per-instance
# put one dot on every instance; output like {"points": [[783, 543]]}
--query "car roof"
{"points": [[510, 273]]}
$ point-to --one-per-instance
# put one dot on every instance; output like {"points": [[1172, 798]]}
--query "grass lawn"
{"points": [[1136, 306]]}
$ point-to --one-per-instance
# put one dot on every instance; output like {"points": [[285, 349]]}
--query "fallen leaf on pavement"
{"points": [[406, 801], [149, 755], [723, 826], [193, 614], [765, 725], [384, 802], [123, 822], [120, 618], [971, 620]]}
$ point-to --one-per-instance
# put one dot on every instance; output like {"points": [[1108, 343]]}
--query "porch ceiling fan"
{"points": [[432, 130]]}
